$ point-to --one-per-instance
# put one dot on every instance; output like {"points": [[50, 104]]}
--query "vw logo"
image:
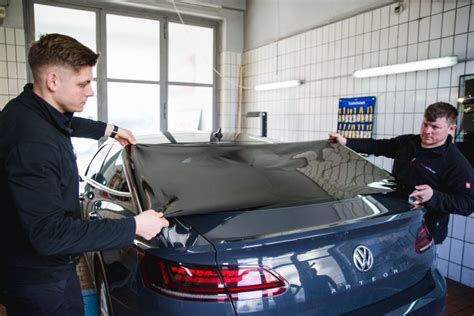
{"points": [[363, 258]]}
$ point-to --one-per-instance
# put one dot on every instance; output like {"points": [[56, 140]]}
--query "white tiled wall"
{"points": [[228, 90], [12, 63], [325, 59]]}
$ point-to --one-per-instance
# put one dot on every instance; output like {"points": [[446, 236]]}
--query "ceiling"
{"points": [[322, 11], [283, 18]]}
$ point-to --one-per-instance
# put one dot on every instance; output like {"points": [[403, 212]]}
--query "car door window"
{"points": [[113, 171], [94, 170]]}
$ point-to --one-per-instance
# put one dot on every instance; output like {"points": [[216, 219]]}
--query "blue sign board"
{"points": [[355, 117]]}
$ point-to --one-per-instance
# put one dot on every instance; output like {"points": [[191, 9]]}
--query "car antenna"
{"points": [[218, 134]]}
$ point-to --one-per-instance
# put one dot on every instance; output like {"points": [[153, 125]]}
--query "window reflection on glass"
{"points": [[51, 19], [135, 106], [190, 53], [133, 48], [112, 170], [93, 171], [189, 108]]}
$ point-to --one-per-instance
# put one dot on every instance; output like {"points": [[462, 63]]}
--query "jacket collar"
{"points": [[439, 151], [62, 121]]}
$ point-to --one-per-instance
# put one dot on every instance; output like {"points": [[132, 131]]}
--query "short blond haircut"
{"points": [[59, 50]]}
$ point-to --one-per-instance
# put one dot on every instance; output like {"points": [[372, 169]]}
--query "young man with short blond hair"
{"points": [[41, 231]]}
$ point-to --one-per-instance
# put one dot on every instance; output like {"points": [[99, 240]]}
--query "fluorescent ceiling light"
{"points": [[407, 67], [278, 85]]}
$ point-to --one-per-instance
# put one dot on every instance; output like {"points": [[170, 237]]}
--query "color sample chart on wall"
{"points": [[355, 117]]}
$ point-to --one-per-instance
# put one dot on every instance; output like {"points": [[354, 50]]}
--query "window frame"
{"points": [[101, 10]]}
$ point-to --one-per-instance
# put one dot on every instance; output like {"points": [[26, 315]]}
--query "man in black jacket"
{"points": [[430, 164], [41, 232]]}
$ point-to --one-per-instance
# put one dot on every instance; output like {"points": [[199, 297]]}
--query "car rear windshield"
{"points": [[183, 179]]}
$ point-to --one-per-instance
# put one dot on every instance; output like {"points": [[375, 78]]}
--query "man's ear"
{"points": [[52, 81], [451, 129]]}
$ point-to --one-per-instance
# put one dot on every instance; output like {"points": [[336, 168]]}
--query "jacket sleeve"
{"points": [[377, 147], [460, 197], [34, 179], [87, 128]]}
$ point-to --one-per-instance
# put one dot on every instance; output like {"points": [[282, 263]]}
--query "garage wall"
{"points": [[229, 65], [287, 18], [12, 54], [326, 57]]}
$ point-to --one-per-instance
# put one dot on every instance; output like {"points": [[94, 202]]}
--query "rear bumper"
{"points": [[432, 303], [430, 295]]}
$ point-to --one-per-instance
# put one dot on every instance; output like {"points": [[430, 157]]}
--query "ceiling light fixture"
{"points": [[407, 67], [278, 85]]}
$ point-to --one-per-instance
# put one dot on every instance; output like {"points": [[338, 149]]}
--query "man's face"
{"points": [[73, 88], [434, 134]]}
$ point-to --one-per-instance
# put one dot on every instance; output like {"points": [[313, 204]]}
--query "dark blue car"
{"points": [[259, 228]]}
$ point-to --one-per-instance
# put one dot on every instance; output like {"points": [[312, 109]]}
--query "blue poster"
{"points": [[355, 117]]}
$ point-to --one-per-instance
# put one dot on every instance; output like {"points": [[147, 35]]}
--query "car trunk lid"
{"points": [[323, 251]]}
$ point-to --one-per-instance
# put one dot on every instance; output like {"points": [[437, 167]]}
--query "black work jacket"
{"points": [[41, 230], [443, 168]]}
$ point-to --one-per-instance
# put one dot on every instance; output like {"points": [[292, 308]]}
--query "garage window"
{"points": [[190, 77], [86, 34], [155, 73]]}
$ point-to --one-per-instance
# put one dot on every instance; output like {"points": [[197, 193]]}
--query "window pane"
{"points": [[86, 148], [84, 32], [133, 48], [51, 19], [135, 106], [190, 108], [190, 53]]}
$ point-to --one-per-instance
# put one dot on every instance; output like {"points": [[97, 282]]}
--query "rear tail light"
{"points": [[423, 239], [209, 283]]}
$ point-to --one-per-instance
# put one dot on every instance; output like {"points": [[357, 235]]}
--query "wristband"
{"points": [[114, 131]]}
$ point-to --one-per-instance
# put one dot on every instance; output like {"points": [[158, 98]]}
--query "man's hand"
{"points": [[422, 194], [149, 224], [123, 135], [337, 138]]}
